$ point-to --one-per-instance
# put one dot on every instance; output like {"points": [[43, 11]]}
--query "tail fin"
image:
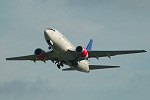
{"points": [[89, 46]]}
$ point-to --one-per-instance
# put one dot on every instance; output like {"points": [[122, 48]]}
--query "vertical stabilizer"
{"points": [[89, 46]]}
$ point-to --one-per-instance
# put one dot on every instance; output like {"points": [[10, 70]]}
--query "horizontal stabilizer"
{"points": [[92, 67]]}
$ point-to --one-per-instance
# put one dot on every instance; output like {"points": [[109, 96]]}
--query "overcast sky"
{"points": [[112, 24]]}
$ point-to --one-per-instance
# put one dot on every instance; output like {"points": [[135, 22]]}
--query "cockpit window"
{"points": [[51, 29]]}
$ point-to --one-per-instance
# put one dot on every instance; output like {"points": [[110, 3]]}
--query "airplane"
{"points": [[62, 52]]}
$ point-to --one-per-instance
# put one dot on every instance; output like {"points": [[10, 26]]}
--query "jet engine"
{"points": [[81, 52], [40, 54]]}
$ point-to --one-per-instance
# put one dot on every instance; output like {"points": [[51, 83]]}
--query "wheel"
{"points": [[58, 66], [49, 47], [61, 64]]}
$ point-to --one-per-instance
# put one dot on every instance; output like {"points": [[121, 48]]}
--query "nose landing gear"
{"points": [[49, 47], [50, 43]]}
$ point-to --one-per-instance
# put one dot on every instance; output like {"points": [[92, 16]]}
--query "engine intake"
{"points": [[81, 52], [40, 54]]}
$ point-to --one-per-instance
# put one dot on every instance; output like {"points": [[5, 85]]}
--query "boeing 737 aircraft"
{"points": [[61, 52]]}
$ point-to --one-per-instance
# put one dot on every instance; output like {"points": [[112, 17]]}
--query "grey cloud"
{"points": [[19, 89], [140, 82]]}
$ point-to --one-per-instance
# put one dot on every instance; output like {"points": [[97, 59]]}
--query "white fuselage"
{"points": [[61, 46]]}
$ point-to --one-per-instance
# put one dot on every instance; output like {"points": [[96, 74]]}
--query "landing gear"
{"points": [[50, 43], [49, 47], [59, 64]]}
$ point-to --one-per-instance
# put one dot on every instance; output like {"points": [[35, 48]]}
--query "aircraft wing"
{"points": [[97, 54], [92, 67], [50, 56], [29, 57]]}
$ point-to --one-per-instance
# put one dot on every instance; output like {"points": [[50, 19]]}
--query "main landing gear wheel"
{"points": [[58, 65], [61, 64]]}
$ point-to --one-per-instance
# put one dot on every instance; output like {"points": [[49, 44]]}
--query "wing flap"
{"points": [[92, 67]]}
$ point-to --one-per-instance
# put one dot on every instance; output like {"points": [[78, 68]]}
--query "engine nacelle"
{"points": [[40, 54], [81, 52]]}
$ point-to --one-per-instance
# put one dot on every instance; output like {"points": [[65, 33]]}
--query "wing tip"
{"points": [[144, 51], [6, 58], [117, 67]]}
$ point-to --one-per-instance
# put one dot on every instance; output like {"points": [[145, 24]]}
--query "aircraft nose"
{"points": [[46, 34]]}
